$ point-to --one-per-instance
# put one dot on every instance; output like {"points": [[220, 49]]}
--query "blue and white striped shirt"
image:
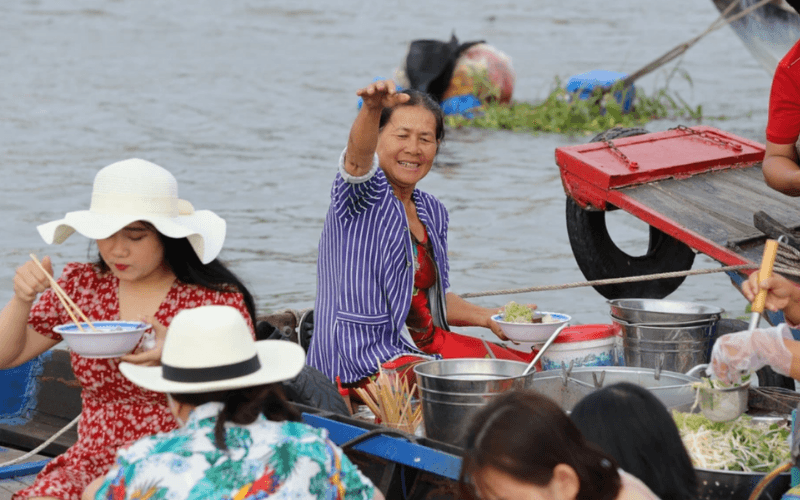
{"points": [[365, 275]]}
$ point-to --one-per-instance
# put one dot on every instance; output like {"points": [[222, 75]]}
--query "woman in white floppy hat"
{"points": [[157, 256], [239, 438]]}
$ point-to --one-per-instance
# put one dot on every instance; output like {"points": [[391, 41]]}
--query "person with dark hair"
{"points": [[158, 255], [522, 445], [382, 269], [632, 425], [239, 437]]}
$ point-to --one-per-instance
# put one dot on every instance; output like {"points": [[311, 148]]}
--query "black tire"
{"points": [[312, 388], [766, 376], [598, 257], [267, 331], [305, 329]]}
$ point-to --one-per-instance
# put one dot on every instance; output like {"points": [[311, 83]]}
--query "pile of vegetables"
{"points": [[517, 313], [739, 445]]}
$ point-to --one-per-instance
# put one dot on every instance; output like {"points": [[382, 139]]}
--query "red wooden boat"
{"points": [[697, 187]]}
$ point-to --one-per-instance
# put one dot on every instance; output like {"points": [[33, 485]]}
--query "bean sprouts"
{"points": [[739, 445]]}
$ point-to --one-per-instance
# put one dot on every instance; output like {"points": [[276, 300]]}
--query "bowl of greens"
{"points": [[520, 323]]}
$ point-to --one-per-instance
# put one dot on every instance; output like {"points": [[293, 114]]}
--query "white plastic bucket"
{"points": [[582, 345]]}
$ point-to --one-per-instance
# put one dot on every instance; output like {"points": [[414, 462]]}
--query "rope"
{"points": [[794, 271], [43, 445], [721, 21]]}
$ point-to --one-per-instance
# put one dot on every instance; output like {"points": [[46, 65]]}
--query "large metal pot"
{"points": [[676, 347], [567, 387], [452, 389], [662, 312]]}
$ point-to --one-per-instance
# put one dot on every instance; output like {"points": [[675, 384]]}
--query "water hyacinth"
{"points": [[562, 113]]}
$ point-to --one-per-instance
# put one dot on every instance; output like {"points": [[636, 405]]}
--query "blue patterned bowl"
{"points": [[111, 340]]}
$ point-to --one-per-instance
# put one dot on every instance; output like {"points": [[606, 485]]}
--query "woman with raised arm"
{"points": [[382, 271]]}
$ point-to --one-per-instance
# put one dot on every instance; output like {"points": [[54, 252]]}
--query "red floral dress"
{"points": [[115, 411]]}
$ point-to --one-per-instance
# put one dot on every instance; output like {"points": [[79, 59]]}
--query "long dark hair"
{"points": [[187, 267], [243, 406], [418, 99], [525, 434], [632, 425]]}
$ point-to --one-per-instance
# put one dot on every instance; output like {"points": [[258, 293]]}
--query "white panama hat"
{"points": [[210, 348], [132, 190]]}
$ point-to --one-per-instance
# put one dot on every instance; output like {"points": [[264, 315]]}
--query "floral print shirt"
{"points": [[265, 459], [115, 411]]}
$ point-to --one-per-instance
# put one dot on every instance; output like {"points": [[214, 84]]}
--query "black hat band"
{"points": [[212, 373]]}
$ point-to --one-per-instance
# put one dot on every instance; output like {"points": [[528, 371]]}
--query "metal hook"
{"points": [[659, 366], [599, 384], [566, 371]]}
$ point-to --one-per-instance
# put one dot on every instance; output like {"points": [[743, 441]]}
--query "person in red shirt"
{"points": [[781, 169]]}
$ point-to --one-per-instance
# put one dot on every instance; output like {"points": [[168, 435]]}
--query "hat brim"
{"points": [[280, 360], [204, 229]]}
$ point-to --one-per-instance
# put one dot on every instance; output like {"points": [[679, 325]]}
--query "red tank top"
{"points": [[419, 320]]}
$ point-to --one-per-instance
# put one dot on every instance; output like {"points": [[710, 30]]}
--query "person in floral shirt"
{"points": [[158, 255], [239, 439]]}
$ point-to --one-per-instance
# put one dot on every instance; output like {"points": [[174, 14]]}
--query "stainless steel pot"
{"points": [[676, 348], [452, 389], [662, 312], [567, 387]]}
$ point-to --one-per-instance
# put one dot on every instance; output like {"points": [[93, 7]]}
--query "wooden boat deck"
{"points": [[714, 210], [700, 185]]}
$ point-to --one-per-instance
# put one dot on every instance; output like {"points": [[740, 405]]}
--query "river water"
{"points": [[249, 105]]}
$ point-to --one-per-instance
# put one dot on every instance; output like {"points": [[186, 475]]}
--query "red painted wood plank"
{"points": [[590, 171]]}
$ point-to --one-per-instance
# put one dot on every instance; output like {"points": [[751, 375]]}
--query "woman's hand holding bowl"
{"points": [[381, 94], [495, 327], [147, 355]]}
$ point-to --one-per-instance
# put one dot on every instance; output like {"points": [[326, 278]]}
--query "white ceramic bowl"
{"points": [[112, 340], [531, 332]]}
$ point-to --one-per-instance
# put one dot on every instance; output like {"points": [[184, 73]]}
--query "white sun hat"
{"points": [[210, 348], [137, 190]]}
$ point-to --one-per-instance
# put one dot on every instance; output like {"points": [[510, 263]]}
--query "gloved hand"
{"points": [[739, 353]]}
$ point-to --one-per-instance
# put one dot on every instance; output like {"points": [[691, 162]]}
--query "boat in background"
{"points": [[768, 31]]}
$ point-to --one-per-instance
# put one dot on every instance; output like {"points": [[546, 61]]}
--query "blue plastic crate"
{"points": [[584, 84]]}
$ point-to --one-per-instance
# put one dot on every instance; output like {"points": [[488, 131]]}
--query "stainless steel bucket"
{"points": [[662, 312], [452, 389], [566, 387], [677, 347]]}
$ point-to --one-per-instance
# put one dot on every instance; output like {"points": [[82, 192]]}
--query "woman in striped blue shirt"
{"points": [[382, 270]]}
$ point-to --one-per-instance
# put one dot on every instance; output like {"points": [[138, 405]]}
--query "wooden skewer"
{"points": [[64, 298]]}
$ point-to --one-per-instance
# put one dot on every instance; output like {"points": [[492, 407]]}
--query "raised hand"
{"points": [[381, 94], [29, 280]]}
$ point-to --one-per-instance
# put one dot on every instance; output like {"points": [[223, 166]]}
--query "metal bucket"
{"points": [[452, 389], [662, 312], [566, 387], [677, 347]]}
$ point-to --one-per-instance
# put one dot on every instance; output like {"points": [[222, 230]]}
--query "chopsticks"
{"points": [[389, 398], [67, 302]]}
